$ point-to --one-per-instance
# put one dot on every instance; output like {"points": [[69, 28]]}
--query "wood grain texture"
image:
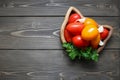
{"points": [[48, 64], [58, 7], [43, 32], [30, 47]]}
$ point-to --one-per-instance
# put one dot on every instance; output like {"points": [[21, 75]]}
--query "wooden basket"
{"points": [[73, 9]]}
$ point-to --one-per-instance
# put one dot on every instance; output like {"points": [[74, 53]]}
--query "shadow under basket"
{"points": [[74, 10]]}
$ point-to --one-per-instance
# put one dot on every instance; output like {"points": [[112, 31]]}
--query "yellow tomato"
{"points": [[90, 32], [95, 42], [90, 21]]}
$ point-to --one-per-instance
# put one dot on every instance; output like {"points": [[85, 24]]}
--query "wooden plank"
{"points": [[117, 2], [49, 64], [43, 8], [43, 32]]}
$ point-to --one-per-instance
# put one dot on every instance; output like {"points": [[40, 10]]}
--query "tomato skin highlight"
{"points": [[79, 42], [75, 28], [73, 17], [104, 34], [68, 36]]}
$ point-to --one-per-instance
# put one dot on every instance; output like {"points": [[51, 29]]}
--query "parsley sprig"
{"points": [[88, 53]]}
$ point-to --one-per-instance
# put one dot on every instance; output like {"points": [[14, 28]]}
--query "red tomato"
{"points": [[73, 17], [75, 28], [79, 42], [68, 36], [104, 34]]}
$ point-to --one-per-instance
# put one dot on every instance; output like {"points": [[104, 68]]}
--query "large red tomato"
{"points": [[73, 17], [75, 28], [104, 34], [79, 42]]}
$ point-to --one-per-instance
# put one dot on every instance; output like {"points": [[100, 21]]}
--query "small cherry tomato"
{"points": [[104, 34], [68, 36], [95, 42], [90, 21], [89, 32], [73, 17], [75, 28], [79, 42]]}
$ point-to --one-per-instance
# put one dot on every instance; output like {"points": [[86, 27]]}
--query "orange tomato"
{"points": [[90, 21], [95, 42], [90, 32]]}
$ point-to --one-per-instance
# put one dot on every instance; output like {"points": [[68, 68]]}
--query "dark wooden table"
{"points": [[30, 48]]}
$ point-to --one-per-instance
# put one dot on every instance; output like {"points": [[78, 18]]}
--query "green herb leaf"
{"points": [[89, 49], [72, 55], [95, 56], [88, 53]]}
